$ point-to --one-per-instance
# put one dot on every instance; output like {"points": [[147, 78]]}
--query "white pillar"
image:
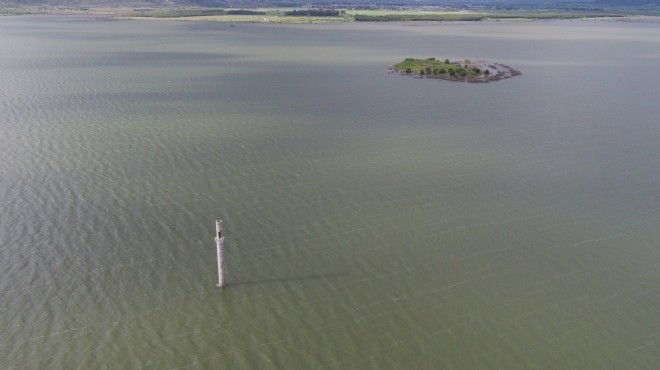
{"points": [[219, 240]]}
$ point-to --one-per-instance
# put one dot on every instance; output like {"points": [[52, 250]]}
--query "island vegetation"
{"points": [[466, 70]]}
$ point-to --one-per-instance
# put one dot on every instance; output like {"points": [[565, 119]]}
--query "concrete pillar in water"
{"points": [[219, 240]]}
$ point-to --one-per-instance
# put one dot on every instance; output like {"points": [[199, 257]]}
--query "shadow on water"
{"points": [[287, 279]]}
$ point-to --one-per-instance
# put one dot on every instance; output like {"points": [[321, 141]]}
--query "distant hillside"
{"points": [[628, 2], [119, 3], [112, 3]]}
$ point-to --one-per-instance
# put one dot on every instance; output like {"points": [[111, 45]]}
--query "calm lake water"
{"points": [[372, 221]]}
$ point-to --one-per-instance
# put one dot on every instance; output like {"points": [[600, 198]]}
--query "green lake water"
{"points": [[372, 221]]}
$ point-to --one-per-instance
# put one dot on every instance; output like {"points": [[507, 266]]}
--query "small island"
{"points": [[465, 71]]}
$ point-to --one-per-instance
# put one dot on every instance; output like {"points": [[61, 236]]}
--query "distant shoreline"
{"points": [[312, 15]]}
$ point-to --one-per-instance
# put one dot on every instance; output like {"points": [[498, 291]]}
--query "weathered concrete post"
{"points": [[219, 240]]}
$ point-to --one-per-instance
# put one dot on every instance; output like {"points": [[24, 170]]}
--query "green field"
{"points": [[448, 16], [265, 15], [278, 15]]}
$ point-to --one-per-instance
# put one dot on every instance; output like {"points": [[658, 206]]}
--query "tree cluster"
{"points": [[244, 12]]}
